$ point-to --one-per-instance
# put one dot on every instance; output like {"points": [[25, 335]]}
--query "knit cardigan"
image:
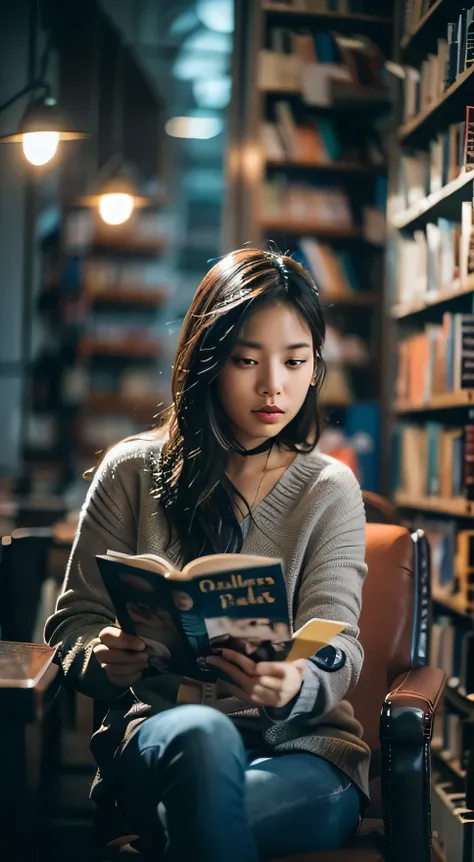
{"points": [[313, 519]]}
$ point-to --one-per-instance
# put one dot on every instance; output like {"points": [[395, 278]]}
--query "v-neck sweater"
{"points": [[312, 519]]}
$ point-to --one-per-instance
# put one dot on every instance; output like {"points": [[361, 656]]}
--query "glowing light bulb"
{"points": [[115, 208], [40, 147]]}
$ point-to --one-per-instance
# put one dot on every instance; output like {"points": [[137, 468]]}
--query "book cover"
{"points": [[228, 601]]}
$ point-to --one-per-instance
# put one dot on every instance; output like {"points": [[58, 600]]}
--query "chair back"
{"points": [[23, 568], [379, 510], [394, 618]]}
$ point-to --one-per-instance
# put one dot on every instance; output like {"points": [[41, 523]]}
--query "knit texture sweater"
{"points": [[313, 520]]}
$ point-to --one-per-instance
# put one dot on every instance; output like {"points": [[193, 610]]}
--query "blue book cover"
{"points": [[362, 429], [433, 430], [458, 466]]}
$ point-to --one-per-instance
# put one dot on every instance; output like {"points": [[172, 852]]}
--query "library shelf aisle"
{"points": [[431, 290], [313, 182]]}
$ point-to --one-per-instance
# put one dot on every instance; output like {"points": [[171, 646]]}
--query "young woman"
{"points": [[274, 764]]}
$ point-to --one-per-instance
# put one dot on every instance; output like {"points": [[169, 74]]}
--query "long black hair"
{"points": [[191, 482]]}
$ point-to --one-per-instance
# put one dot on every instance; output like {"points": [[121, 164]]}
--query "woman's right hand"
{"points": [[124, 657]]}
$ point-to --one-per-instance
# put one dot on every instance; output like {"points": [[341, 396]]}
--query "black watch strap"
{"points": [[329, 658]]}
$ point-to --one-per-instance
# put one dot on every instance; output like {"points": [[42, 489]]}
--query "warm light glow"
{"points": [[40, 147], [116, 208]]}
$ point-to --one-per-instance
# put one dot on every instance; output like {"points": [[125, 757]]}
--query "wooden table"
{"points": [[28, 683]]}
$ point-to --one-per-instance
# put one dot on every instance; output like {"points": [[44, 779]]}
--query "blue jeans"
{"points": [[187, 767]]}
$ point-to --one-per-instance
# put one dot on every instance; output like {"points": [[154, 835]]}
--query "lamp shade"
{"points": [[42, 116], [116, 178]]}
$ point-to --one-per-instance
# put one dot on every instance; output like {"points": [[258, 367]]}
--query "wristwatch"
{"points": [[329, 658]]}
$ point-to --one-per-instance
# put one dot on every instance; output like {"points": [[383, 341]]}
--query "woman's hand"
{"points": [[123, 657], [266, 683]]}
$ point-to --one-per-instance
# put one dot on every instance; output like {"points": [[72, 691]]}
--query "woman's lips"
{"points": [[269, 418]]}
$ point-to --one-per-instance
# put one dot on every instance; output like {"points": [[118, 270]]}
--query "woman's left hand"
{"points": [[266, 683]]}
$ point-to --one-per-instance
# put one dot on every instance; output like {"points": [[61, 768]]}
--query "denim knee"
{"points": [[200, 732]]}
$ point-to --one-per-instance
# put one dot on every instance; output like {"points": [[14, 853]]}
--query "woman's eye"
{"points": [[295, 363], [243, 360]]}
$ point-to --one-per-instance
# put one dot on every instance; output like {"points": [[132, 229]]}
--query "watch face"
{"points": [[329, 658]]}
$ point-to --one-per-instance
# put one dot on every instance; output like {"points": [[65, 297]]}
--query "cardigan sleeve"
{"points": [[330, 588], [107, 520]]}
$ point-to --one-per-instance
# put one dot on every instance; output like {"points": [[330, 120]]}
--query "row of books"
{"points": [[334, 270], [328, 206], [421, 173], [312, 63], [316, 140], [451, 558], [83, 227], [414, 10], [437, 260], [432, 460], [344, 349], [428, 262], [359, 431], [437, 361], [424, 87], [56, 381]]}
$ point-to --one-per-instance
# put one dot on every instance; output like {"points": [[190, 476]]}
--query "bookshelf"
{"points": [[313, 181], [430, 291]]}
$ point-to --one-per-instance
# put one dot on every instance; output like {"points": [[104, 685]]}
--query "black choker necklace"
{"points": [[262, 447]]}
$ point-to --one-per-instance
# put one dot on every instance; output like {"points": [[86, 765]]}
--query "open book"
{"points": [[232, 601]]}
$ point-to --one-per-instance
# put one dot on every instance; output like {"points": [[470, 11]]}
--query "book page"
{"points": [[150, 562], [314, 635], [215, 563]]}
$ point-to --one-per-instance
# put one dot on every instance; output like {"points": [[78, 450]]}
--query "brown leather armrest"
{"points": [[409, 707]]}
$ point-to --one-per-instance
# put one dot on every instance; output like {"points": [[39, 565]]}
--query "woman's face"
{"points": [[271, 366]]}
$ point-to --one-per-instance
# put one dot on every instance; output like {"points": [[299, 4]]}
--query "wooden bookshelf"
{"points": [[351, 19], [344, 156], [445, 202], [450, 602], [430, 430], [422, 127], [457, 507], [336, 166], [110, 403], [401, 311], [127, 296], [283, 225], [422, 39], [448, 401], [354, 300], [128, 347], [129, 245]]}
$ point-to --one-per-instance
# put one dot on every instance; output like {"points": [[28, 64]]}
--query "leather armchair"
{"points": [[395, 700]]}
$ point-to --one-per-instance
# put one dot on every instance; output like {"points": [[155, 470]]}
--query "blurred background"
{"points": [[187, 129], [139, 141]]}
